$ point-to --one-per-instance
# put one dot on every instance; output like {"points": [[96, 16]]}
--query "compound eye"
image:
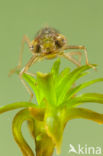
{"points": [[31, 47], [37, 48], [60, 42]]}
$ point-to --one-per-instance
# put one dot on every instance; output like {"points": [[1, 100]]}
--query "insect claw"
{"points": [[93, 67], [31, 97], [12, 71]]}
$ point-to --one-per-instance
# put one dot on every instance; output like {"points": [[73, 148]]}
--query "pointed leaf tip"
{"points": [[46, 86]]}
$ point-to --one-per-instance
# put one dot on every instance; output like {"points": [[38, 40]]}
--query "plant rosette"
{"points": [[57, 103]]}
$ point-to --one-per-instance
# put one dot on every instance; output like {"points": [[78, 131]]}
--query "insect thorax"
{"points": [[48, 40]]}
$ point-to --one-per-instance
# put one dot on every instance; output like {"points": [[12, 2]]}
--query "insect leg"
{"points": [[81, 48], [24, 70], [24, 40], [68, 56], [31, 74], [76, 53]]}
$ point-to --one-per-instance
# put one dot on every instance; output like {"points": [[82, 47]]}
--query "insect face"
{"points": [[48, 40]]}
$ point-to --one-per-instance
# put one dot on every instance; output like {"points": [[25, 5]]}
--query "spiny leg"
{"points": [[68, 56], [81, 48], [24, 70], [24, 40], [31, 74], [79, 54]]}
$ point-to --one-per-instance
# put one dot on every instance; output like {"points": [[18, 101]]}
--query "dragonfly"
{"points": [[48, 44]]}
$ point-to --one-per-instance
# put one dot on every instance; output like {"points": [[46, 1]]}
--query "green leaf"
{"points": [[33, 84], [55, 68], [75, 113], [16, 127], [62, 76], [88, 97], [36, 111], [68, 82], [17, 105], [47, 87], [81, 86]]}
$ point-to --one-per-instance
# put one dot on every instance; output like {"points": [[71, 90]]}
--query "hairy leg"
{"points": [[24, 40], [68, 56], [79, 54], [24, 70], [80, 47]]}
